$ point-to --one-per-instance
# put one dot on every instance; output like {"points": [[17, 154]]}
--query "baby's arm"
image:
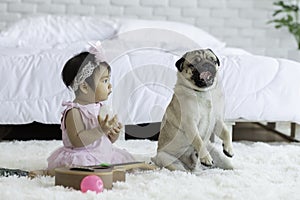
{"points": [[78, 136]]}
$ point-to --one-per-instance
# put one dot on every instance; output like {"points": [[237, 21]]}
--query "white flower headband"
{"points": [[88, 69]]}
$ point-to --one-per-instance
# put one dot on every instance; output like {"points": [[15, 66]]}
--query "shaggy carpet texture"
{"points": [[261, 171]]}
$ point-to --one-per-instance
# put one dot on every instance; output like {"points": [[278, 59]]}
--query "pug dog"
{"points": [[193, 115]]}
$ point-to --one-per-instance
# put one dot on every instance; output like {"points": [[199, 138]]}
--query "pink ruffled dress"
{"points": [[100, 151]]}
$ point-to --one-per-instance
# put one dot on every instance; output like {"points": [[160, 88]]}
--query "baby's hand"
{"points": [[113, 134], [115, 130], [106, 124]]}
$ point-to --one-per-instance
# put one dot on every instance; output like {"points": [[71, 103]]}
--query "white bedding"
{"points": [[142, 55]]}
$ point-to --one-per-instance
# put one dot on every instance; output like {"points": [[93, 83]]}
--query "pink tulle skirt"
{"points": [[101, 151]]}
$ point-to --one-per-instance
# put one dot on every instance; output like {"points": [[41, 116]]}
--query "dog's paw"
{"points": [[227, 150], [207, 161]]}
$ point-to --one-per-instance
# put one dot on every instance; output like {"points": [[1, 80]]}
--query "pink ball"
{"points": [[92, 183]]}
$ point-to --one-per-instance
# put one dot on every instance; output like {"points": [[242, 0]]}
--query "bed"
{"points": [[142, 54]]}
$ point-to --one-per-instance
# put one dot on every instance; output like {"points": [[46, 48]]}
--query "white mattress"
{"points": [[256, 88]]}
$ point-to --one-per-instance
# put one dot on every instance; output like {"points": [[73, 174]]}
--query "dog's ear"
{"points": [[218, 61], [179, 64]]}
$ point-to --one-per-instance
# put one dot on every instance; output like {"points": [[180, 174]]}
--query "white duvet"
{"points": [[142, 55]]}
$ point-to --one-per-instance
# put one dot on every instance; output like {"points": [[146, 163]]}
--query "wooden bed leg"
{"points": [[290, 137], [271, 125], [293, 130]]}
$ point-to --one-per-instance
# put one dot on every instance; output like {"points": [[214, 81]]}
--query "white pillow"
{"points": [[197, 35], [160, 39], [52, 30]]}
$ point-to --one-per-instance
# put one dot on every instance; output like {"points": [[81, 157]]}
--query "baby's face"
{"points": [[103, 85]]}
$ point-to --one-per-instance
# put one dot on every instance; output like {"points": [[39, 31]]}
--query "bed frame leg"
{"points": [[271, 127], [293, 130]]}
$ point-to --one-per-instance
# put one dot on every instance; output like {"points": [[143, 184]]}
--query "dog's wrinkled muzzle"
{"points": [[204, 74]]}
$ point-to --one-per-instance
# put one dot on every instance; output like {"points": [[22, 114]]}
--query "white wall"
{"points": [[240, 23]]}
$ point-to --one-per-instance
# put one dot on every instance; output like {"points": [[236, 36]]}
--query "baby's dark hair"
{"points": [[74, 64]]}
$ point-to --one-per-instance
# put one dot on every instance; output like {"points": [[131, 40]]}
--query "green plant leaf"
{"points": [[278, 3], [276, 12], [289, 18]]}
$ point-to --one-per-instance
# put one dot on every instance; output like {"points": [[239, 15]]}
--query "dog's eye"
{"points": [[211, 59], [186, 71]]}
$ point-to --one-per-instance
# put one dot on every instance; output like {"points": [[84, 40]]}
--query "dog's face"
{"points": [[199, 67]]}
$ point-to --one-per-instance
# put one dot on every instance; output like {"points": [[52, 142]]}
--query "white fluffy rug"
{"points": [[262, 171]]}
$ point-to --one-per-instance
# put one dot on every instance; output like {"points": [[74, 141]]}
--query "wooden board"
{"points": [[72, 176]]}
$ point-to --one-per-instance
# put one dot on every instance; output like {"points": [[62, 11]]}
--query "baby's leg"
{"points": [[163, 159]]}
